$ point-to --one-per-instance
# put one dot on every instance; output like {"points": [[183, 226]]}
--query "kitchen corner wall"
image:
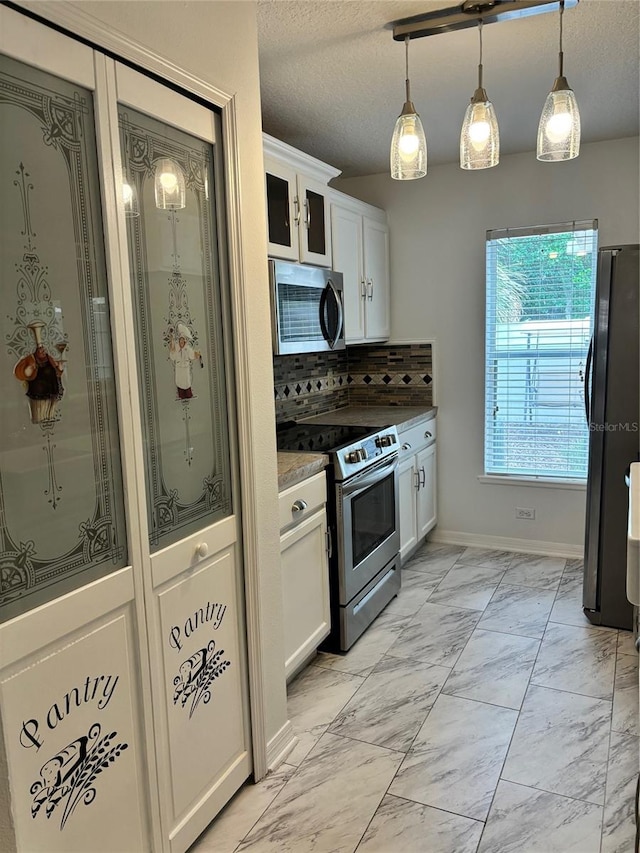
{"points": [[378, 375], [437, 246]]}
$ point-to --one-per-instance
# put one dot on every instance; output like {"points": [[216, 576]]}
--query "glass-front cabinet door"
{"points": [[171, 197], [283, 211]]}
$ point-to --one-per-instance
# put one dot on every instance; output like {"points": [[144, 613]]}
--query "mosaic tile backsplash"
{"points": [[315, 383]]}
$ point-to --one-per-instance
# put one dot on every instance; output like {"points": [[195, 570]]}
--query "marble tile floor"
{"points": [[480, 713]]}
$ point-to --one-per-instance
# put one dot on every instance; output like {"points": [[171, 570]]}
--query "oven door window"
{"points": [[373, 518]]}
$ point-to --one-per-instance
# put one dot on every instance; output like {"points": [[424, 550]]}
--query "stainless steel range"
{"points": [[362, 517]]}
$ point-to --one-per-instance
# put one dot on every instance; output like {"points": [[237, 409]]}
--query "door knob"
{"points": [[202, 550]]}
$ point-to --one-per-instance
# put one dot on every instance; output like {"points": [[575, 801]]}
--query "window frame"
{"points": [[493, 473]]}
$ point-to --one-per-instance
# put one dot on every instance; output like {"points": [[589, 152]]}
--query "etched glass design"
{"points": [[61, 497], [178, 301]]}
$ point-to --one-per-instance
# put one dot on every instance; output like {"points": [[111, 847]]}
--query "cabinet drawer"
{"points": [[417, 437], [302, 500]]}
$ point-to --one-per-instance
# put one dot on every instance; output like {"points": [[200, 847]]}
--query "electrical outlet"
{"points": [[525, 512]]}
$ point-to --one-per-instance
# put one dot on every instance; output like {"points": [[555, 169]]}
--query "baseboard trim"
{"points": [[280, 746], [505, 543]]}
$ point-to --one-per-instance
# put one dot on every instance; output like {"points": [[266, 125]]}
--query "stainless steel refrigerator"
{"points": [[612, 378]]}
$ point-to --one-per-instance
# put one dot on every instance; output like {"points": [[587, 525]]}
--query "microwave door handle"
{"points": [[338, 298], [327, 334]]}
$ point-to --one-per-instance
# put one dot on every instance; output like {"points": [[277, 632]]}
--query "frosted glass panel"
{"points": [[179, 343], [61, 499]]}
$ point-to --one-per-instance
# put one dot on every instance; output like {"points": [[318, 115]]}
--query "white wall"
{"points": [[218, 43], [438, 227]]}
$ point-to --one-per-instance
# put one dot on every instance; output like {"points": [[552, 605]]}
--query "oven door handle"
{"points": [[369, 478]]}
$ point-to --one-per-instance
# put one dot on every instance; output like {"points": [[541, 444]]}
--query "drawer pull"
{"points": [[406, 446], [202, 550], [428, 434], [298, 506]]}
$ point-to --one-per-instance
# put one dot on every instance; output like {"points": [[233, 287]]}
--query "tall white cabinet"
{"points": [[123, 670]]}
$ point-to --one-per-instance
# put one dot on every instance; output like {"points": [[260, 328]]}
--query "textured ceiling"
{"points": [[333, 77]]}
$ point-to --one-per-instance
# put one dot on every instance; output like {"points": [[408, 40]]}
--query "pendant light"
{"points": [[169, 185], [408, 156], [559, 128], [479, 137]]}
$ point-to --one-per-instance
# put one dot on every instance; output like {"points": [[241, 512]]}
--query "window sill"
{"points": [[538, 482]]}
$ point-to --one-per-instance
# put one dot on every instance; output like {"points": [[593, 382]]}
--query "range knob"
{"points": [[357, 455], [385, 440]]}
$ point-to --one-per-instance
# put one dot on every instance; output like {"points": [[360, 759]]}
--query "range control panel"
{"points": [[355, 457]]}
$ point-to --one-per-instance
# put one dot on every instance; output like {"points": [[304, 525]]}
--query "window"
{"points": [[540, 307]]}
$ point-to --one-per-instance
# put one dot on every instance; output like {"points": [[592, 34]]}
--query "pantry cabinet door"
{"points": [[171, 199], [71, 687]]}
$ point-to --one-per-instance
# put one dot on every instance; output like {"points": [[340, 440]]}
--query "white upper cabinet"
{"points": [[297, 206], [360, 246]]}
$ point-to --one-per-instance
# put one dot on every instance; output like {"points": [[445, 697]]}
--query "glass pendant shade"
{"points": [[480, 136], [408, 158], [559, 128], [169, 186], [408, 155]]}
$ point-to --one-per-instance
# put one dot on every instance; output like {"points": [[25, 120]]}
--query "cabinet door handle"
{"points": [[296, 217], [417, 476], [363, 285], [406, 446], [370, 289], [307, 214], [423, 476], [329, 543], [298, 506]]}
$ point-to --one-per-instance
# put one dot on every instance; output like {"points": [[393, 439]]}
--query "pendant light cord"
{"points": [[480, 63], [561, 55], [406, 66]]}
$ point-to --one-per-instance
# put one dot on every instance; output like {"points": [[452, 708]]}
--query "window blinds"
{"points": [[540, 308]]}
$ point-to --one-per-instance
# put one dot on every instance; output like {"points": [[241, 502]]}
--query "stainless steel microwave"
{"points": [[307, 312]]}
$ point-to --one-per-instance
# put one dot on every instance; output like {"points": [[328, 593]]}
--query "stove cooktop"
{"points": [[351, 449], [319, 438]]}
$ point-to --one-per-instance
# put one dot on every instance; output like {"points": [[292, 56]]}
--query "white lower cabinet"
{"points": [[426, 509], [417, 485], [408, 498], [305, 570]]}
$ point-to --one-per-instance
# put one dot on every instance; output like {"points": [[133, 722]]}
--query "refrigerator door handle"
{"points": [[587, 377]]}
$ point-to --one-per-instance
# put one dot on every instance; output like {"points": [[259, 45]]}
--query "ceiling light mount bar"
{"points": [[468, 13]]}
